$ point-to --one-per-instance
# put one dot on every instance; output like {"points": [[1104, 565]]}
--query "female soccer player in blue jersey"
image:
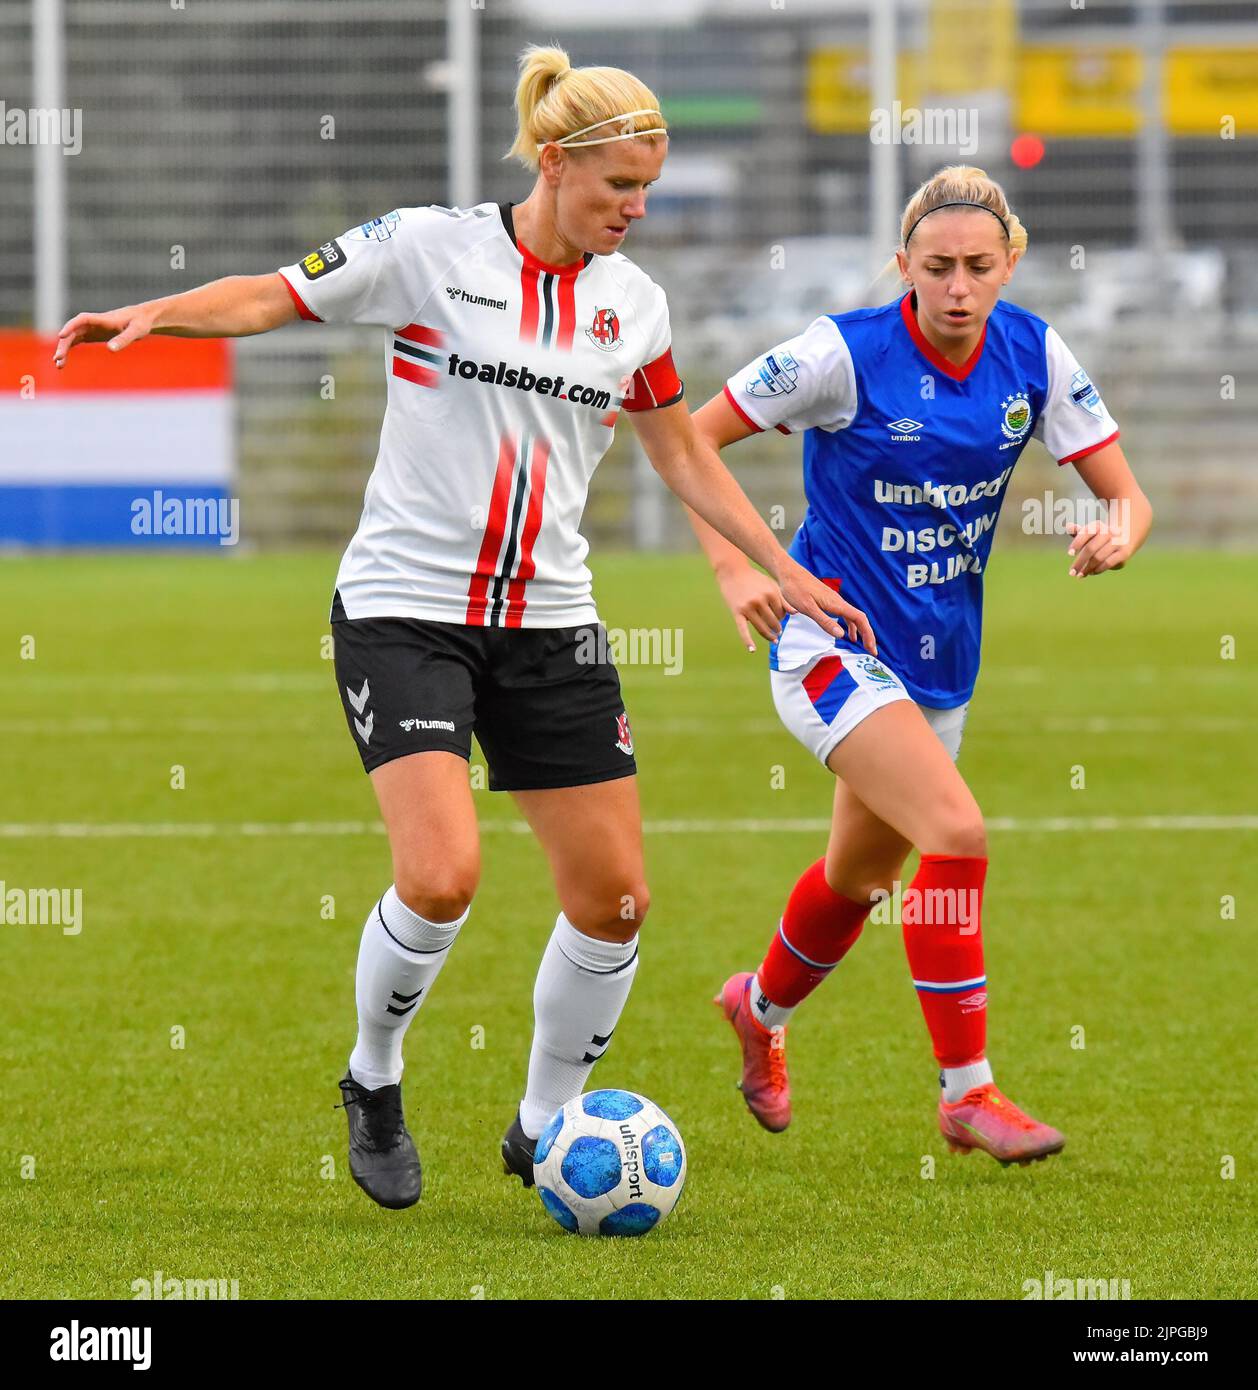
{"points": [[913, 415], [463, 604]]}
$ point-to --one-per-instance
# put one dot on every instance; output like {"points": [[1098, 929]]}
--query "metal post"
{"points": [[1153, 182], [463, 103], [884, 193], [48, 93]]}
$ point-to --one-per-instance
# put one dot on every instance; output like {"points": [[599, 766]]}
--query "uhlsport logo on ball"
{"points": [[610, 1163]]}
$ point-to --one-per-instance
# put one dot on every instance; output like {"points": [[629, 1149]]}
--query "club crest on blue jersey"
{"points": [[604, 332], [1084, 394], [776, 374], [1015, 417]]}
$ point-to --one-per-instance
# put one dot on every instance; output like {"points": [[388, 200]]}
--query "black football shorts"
{"points": [[544, 703]]}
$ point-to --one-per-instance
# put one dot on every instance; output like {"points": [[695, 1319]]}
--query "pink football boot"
{"points": [[765, 1085], [985, 1119]]}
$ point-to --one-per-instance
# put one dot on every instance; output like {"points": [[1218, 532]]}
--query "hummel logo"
{"points": [[598, 1042], [409, 1000], [359, 701], [479, 299]]}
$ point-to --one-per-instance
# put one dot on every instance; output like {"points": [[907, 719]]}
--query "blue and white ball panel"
{"points": [[611, 1105], [592, 1166], [590, 1182], [558, 1208], [634, 1220], [548, 1137], [661, 1155], [823, 701]]}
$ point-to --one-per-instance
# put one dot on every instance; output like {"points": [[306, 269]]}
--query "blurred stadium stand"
{"points": [[205, 129]]}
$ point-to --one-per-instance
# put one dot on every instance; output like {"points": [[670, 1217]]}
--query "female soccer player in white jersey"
{"points": [[913, 415], [463, 604]]}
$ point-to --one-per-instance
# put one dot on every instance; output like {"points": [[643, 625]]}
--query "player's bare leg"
{"points": [[592, 836], [426, 802], [899, 768]]}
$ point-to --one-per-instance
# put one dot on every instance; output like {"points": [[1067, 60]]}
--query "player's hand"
{"points": [[754, 600], [805, 593], [1094, 549], [117, 327]]}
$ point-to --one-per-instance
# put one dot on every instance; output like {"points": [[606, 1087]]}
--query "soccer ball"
{"points": [[611, 1163]]}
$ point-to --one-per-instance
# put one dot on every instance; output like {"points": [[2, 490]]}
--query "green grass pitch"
{"points": [[208, 1161]]}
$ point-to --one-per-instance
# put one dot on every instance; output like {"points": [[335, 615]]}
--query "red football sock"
{"points": [[818, 928], [941, 914]]}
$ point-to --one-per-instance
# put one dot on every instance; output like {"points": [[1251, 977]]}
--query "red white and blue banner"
{"points": [[116, 449]]}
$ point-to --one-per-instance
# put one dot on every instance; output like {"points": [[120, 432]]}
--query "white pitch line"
{"points": [[200, 830], [88, 726], [701, 676]]}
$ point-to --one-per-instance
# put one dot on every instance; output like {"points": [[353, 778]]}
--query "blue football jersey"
{"points": [[907, 458]]}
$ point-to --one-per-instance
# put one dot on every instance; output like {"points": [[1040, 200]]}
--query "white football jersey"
{"points": [[505, 378]]}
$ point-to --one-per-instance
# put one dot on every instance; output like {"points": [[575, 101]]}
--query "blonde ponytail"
{"points": [[553, 99]]}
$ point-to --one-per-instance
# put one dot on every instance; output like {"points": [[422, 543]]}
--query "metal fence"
{"points": [[228, 136]]}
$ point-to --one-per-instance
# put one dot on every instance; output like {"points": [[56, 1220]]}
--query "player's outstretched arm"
{"points": [[1101, 546], [693, 470], [753, 599], [234, 307]]}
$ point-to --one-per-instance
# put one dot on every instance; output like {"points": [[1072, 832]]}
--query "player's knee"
{"points": [[865, 887], [438, 895], [962, 834], [613, 915]]}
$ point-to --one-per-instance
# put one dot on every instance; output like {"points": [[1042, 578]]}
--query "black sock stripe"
{"points": [[414, 950], [583, 968]]}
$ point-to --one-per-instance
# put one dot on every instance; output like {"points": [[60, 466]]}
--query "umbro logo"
{"points": [[905, 429]]}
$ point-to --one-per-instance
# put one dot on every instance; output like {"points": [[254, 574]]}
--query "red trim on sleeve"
{"points": [[740, 412], [655, 384], [1091, 449], [302, 308]]}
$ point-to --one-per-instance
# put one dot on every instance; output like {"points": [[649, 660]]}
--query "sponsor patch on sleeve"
{"points": [[775, 375], [378, 229], [327, 258], [1085, 395]]}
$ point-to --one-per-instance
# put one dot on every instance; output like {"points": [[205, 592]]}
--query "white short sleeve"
{"points": [[807, 382], [1074, 421], [379, 272]]}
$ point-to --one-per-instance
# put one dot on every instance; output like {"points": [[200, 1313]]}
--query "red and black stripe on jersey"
{"points": [[412, 360], [495, 596], [548, 309]]}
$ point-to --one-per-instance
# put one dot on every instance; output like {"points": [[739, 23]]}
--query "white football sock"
{"points": [[581, 988], [956, 1081], [766, 1014], [399, 957]]}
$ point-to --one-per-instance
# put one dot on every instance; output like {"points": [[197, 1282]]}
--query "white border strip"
{"points": [[204, 830]]}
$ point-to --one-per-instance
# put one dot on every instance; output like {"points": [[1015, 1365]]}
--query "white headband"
{"points": [[572, 141]]}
